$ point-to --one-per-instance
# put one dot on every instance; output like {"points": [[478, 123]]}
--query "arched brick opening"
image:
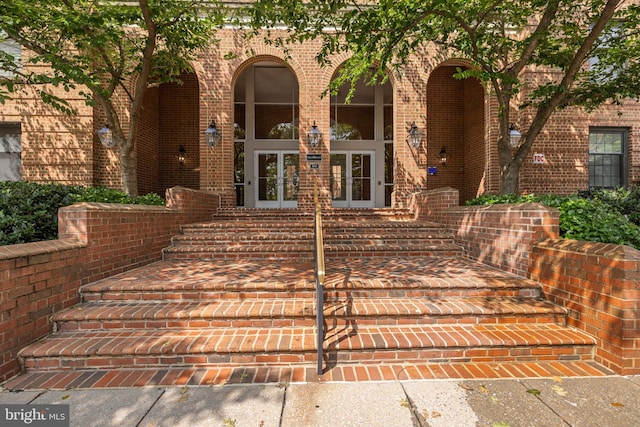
{"points": [[455, 123], [169, 125]]}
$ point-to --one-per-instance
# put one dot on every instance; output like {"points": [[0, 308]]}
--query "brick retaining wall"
{"points": [[599, 286], [497, 235], [95, 241]]}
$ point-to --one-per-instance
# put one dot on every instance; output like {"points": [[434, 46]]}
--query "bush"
{"points": [[624, 200], [108, 195], [29, 211], [597, 216], [596, 221]]}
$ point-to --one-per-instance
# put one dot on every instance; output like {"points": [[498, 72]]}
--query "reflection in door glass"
{"points": [[291, 179], [339, 176], [361, 173], [268, 177]]}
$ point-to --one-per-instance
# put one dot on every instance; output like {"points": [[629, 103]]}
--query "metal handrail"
{"points": [[318, 253]]}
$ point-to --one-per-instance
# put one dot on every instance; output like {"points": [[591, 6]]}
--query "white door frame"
{"points": [[349, 202], [280, 180]]}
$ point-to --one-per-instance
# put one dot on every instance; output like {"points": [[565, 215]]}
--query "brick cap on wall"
{"points": [[608, 250], [116, 207], [520, 207], [39, 248]]}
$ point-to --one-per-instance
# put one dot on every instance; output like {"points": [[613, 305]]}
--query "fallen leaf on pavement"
{"points": [[617, 404], [534, 391], [559, 390]]}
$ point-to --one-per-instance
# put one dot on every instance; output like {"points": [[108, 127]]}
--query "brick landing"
{"points": [[216, 322]]}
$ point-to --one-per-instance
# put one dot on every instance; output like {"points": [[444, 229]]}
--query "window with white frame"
{"points": [[607, 157]]}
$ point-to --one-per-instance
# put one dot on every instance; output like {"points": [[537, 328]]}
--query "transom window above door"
{"points": [[358, 119], [266, 95]]}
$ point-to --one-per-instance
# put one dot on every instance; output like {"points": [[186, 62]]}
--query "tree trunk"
{"points": [[510, 178], [129, 171]]}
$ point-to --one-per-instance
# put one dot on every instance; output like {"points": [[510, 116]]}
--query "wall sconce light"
{"points": [[105, 135], [514, 136], [314, 136], [182, 155], [443, 156], [415, 135], [212, 135]]}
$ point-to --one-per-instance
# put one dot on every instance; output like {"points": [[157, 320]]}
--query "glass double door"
{"points": [[277, 179], [352, 178]]}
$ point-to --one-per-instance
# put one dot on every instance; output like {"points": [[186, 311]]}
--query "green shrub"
{"points": [[597, 216], [108, 195], [596, 221], [624, 200], [29, 211]]}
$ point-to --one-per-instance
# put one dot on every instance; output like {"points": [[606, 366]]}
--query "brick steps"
{"points": [[240, 293], [301, 312], [354, 278], [288, 233], [277, 251], [283, 345]]}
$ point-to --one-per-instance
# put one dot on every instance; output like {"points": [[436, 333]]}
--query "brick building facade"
{"points": [[264, 105]]}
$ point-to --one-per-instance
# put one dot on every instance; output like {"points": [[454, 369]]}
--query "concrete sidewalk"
{"points": [[606, 401]]}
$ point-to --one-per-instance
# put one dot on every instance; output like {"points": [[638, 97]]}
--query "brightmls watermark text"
{"points": [[34, 415]]}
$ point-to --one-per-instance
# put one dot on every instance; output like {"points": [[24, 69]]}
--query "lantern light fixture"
{"points": [[443, 156], [514, 136], [314, 136], [212, 134], [105, 135], [182, 155], [415, 135]]}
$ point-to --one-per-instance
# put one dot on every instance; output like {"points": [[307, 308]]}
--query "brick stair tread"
{"points": [[414, 249], [304, 308], [345, 275], [242, 238], [342, 224], [454, 336], [386, 234], [299, 340], [233, 226], [264, 247]]}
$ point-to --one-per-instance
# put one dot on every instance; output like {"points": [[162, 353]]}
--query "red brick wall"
{"points": [[452, 113], [598, 284], [179, 125], [147, 147], [498, 235], [474, 148], [96, 241], [445, 128], [455, 120], [36, 280]]}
